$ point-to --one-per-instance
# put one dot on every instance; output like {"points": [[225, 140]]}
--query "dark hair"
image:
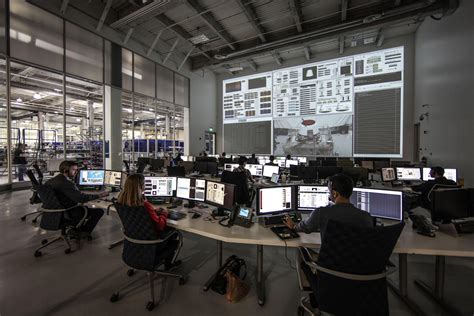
{"points": [[272, 158], [242, 160], [65, 165], [342, 184], [438, 170], [223, 154], [253, 155], [288, 157]]}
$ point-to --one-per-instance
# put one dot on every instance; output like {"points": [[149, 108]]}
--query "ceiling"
{"points": [[251, 33]]}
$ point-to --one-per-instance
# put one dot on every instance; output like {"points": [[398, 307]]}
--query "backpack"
{"points": [[232, 264]]}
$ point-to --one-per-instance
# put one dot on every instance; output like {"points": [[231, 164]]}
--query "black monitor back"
{"points": [[223, 161], [294, 170], [200, 166], [307, 174], [239, 179], [157, 164], [326, 171], [380, 163], [212, 167], [213, 159], [400, 163], [143, 160], [314, 163], [329, 162], [356, 173], [176, 171], [451, 204]]}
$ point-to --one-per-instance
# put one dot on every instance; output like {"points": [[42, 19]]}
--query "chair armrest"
{"points": [[149, 242], [309, 257], [357, 277]]}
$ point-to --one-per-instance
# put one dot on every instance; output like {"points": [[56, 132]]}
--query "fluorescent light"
{"points": [[71, 108], [19, 100], [78, 120], [199, 39], [151, 109], [48, 46], [129, 73], [129, 110], [36, 96]]}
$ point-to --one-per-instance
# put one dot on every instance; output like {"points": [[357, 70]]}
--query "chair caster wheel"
{"points": [[34, 221], [23, 218], [150, 306], [114, 298], [44, 241], [183, 280], [38, 254], [67, 251], [300, 311], [130, 272], [89, 238]]}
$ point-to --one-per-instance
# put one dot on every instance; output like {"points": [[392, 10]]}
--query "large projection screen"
{"points": [[349, 106]]}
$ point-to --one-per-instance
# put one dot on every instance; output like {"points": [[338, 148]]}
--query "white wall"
{"points": [[407, 41], [444, 79]]}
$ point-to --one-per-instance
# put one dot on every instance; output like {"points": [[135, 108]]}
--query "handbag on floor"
{"points": [[237, 289], [233, 264]]}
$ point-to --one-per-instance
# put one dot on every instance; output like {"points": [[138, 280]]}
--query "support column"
{"points": [[113, 127]]}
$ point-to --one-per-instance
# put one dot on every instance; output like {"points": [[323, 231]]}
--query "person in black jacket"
{"points": [[252, 160], [69, 195], [438, 174], [19, 159], [271, 163]]}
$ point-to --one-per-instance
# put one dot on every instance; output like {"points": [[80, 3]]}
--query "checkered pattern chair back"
{"points": [[50, 221], [355, 250], [137, 224]]}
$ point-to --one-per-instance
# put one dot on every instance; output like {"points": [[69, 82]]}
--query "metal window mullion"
{"points": [[133, 108], [64, 90], [9, 132]]}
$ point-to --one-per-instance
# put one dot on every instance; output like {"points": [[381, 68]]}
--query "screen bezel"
{"points": [[257, 205], [411, 179], [113, 186], [191, 199], [264, 167], [297, 191], [391, 192], [226, 185], [173, 192], [91, 185]]}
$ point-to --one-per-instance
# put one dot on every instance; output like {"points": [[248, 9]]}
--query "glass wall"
{"points": [[127, 127], [3, 124]]}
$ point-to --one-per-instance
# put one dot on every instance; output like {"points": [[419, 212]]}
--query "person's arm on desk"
{"points": [[159, 219], [308, 226]]}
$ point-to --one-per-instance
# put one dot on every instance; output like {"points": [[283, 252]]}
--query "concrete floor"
{"points": [[81, 283]]}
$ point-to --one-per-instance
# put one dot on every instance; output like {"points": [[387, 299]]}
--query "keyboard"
{"points": [[175, 215], [464, 225], [273, 221], [285, 232]]}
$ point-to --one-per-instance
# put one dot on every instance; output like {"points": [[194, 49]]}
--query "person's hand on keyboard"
{"points": [[161, 210], [103, 194], [289, 222]]}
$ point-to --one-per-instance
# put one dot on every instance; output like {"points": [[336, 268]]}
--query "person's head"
{"points": [[132, 192], [253, 155], [272, 158], [68, 168], [340, 188], [437, 172], [288, 157], [223, 155], [178, 156], [21, 146], [242, 161]]}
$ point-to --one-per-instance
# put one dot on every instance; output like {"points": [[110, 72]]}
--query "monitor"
{"points": [[381, 163], [263, 159], [310, 197], [379, 203], [275, 178], [176, 171], [220, 194], [450, 174], [230, 166], [408, 174], [113, 178], [159, 186], [268, 170], [327, 171], [200, 166], [274, 200], [308, 174], [156, 163], [91, 177], [356, 173], [255, 170], [301, 160], [388, 174], [291, 162], [448, 204], [280, 161], [191, 189]]}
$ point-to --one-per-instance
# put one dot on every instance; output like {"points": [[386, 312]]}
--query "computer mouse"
{"points": [[196, 215]]}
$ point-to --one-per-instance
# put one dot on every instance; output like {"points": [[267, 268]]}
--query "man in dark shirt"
{"points": [[252, 160], [271, 163], [241, 168], [69, 195], [425, 188]]}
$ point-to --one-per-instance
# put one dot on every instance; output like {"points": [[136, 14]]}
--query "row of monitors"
{"points": [[255, 170], [410, 174], [101, 177], [283, 199]]}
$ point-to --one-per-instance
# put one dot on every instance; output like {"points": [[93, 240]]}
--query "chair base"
{"points": [[65, 236], [306, 308], [37, 213]]}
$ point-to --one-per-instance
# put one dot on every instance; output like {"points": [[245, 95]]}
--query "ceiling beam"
{"points": [[397, 3], [171, 50], [127, 37], [104, 14], [149, 10], [344, 5], [178, 30], [153, 44], [252, 64], [341, 44], [211, 22], [249, 12], [277, 58], [380, 38], [295, 7], [185, 58], [63, 8], [307, 52]]}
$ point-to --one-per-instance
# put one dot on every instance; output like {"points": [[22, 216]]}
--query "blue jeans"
{"points": [[21, 169]]}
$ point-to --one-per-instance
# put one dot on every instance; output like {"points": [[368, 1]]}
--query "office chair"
{"points": [[141, 167], [54, 217], [127, 166], [351, 269], [34, 199], [188, 166], [440, 186], [239, 179], [144, 249]]}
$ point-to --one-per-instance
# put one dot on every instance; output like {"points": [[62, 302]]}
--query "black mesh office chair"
{"points": [[239, 179], [144, 249], [141, 166], [440, 186], [54, 217], [352, 269], [34, 199]]}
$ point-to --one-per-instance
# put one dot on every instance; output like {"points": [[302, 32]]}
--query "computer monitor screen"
{"points": [[113, 178], [408, 174], [220, 194], [191, 189], [274, 200], [388, 174], [263, 160], [310, 197], [275, 178], [230, 166], [268, 170], [302, 160], [91, 177], [448, 204], [159, 186], [280, 161], [290, 162], [379, 203], [255, 170], [187, 158], [450, 174]]}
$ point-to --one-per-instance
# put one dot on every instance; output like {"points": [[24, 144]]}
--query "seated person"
{"points": [[241, 168], [438, 174], [252, 160], [271, 163], [176, 161], [340, 190], [132, 196], [288, 157], [69, 195], [223, 155]]}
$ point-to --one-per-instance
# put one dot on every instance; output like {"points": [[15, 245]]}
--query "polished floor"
{"points": [[81, 283]]}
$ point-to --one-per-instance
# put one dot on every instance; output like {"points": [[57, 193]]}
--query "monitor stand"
{"points": [[190, 204]]}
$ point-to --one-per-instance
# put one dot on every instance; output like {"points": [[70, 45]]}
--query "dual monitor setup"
{"points": [[99, 177], [414, 174], [279, 200]]}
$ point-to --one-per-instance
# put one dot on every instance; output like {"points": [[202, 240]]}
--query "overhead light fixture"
{"points": [[36, 96], [235, 69], [129, 110], [219, 56], [78, 120], [19, 100], [199, 39], [151, 109], [71, 108]]}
